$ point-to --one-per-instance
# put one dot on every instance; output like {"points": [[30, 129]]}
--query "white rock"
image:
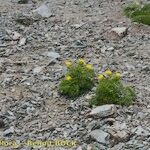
{"points": [[120, 31], [16, 36], [119, 126], [22, 41], [78, 25], [52, 54], [140, 131], [110, 48], [43, 10], [79, 148], [37, 70], [89, 147], [103, 49], [88, 97], [100, 136], [103, 111], [30, 110]]}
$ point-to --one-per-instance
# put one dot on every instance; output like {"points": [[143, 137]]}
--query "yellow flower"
{"points": [[89, 66], [81, 61], [68, 63], [117, 75], [100, 77], [68, 78], [108, 72]]}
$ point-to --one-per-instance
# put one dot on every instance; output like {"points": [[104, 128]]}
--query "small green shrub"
{"points": [[110, 90], [138, 12], [78, 80]]}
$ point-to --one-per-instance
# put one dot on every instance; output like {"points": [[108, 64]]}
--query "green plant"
{"points": [[110, 90], [138, 12], [78, 79]]}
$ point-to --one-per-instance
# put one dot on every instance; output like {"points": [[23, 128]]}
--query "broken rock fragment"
{"points": [[22, 41], [100, 136], [119, 31], [103, 111], [43, 11]]}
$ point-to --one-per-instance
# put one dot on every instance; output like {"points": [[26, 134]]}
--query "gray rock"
{"points": [[118, 147], [89, 147], [88, 96], [10, 115], [100, 136], [119, 125], [140, 131], [58, 129], [103, 49], [30, 110], [120, 136], [76, 31], [110, 48], [25, 20], [78, 44], [130, 66], [52, 54], [16, 36], [120, 31], [146, 68], [22, 41], [79, 148], [91, 125], [45, 78], [135, 144], [8, 131], [23, 1], [66, 133], [37, 70], [7, 79], [103, 111], [43, 11]]}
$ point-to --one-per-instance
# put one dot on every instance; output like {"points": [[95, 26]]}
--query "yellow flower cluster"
{"points": [[117, 75], [89, 66], [68, 78], [100, 77], [81, 61], [68, 64], [109, 73]]}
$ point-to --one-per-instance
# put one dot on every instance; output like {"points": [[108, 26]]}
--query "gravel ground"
{"points": [[34, 43]]}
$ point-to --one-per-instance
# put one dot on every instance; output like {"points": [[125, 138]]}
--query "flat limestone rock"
{"points": [[43, 11], [103, 111], [120, 31], [100, 136]]}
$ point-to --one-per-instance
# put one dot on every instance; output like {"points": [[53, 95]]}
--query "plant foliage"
{"points": [[138, 12], [110, 90], [78, 80]]}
